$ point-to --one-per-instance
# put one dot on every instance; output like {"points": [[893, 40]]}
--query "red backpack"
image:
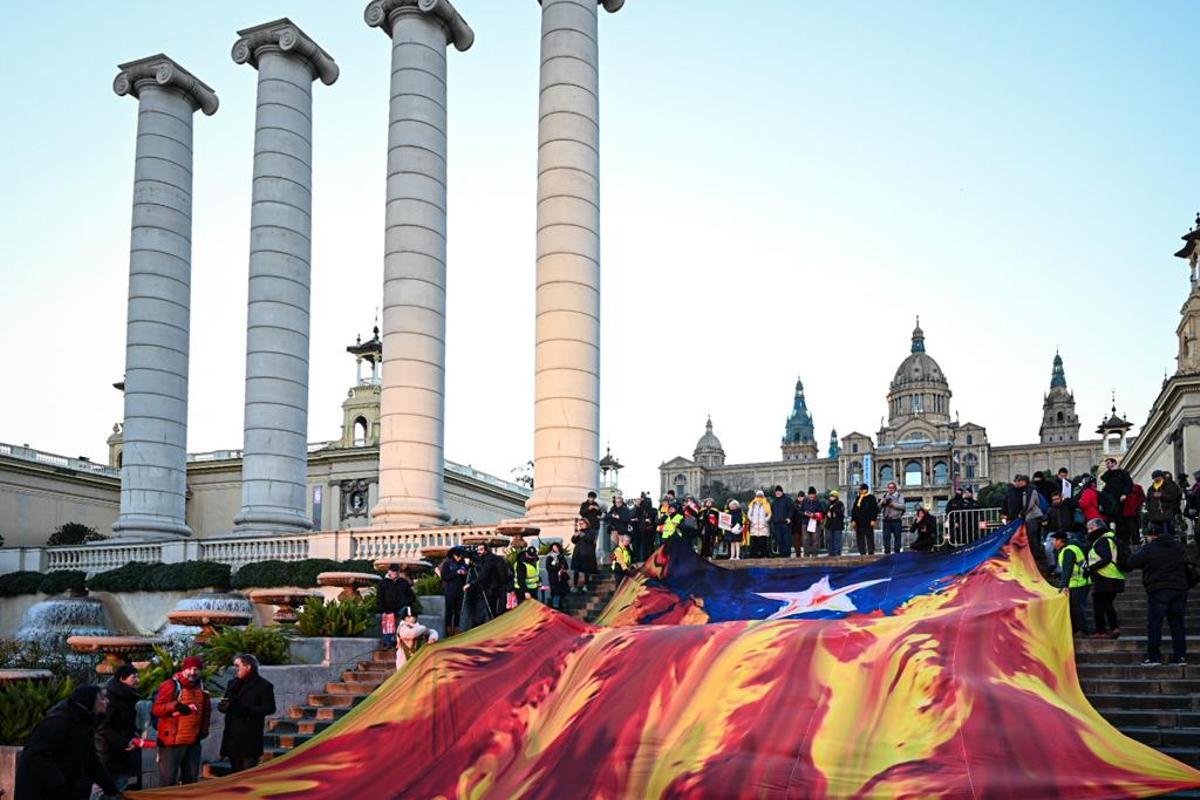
{"points": [[1133, 501]]}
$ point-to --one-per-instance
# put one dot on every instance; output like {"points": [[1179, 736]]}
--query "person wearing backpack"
{"points": [[1162, 502], [1108, 580], [1118, 487], [181, 708], [1164, 574]]}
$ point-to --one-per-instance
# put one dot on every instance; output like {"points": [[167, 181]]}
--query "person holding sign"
{"points": [[733, 523]]}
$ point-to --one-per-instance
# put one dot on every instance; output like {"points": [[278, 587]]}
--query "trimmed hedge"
{"points": [[138, 576], [269, 574], [63, 580], [15, 583]]}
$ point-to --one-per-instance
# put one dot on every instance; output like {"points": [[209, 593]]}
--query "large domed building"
{"points": [[923, 446]]}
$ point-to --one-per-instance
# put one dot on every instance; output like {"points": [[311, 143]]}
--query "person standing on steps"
{"points": [[557, 571], [453, 572], [892, 509], [619, 519], [1071, 567], [526, 576], [583, 554], [622, 560], [1163, 563], [411, 636], [811, 512], [737, 528], [835, 523], [782, 508], [117, 744], [710, 528], [590, 510], [249, 700], [1107, 578], [863, 515], [760, 522], [393, 595], [182, 709]]}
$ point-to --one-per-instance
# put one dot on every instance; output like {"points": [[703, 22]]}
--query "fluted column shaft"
{"points": [[412, 401], [154, 460], [275, 454], [566, 415]]}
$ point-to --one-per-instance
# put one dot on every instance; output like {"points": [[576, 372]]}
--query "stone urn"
{"points": [[348, 582], [117, 650], [285, 602], [208, 620], [435, 553], [409, 567], [516, 533]]}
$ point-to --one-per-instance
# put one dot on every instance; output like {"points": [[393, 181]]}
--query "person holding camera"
{"points": [[583, 554], [892, 509], [181, 707]]}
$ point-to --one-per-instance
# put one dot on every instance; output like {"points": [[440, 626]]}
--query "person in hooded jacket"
{"points": [[116, 728], [1163, 498], [249, 700], [59, 759], [1163, 563], [924, 531]]}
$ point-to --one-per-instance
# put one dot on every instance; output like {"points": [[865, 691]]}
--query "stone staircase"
{"points": [[1159, 706], [587, 606], [301, 723]]}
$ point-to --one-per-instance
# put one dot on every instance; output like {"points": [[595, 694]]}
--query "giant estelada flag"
{"points": [[947, 675]]}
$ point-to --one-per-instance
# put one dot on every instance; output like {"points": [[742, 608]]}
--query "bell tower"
{"points": [[1059, 421], [799, 443], [1188, 360], [360, 409]]}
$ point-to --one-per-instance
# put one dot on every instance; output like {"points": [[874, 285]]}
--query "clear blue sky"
{"points": [[785, 185]]}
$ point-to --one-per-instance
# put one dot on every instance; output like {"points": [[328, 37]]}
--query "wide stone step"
{"points": [[1087, 671], [1164, 737], [368, 675], [284, 741], [382, 657], [1188, 755], [1148, 685], [322, 713], [1161, 718], [1125, 644], [1119, 657], [1142, 702], [338, 700], [222, 768], [294, 726], [352, 687]]}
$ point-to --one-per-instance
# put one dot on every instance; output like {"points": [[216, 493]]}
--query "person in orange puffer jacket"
{"points": [[182, 710]]}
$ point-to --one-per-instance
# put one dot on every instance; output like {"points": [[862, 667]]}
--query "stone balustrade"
{"points": [[360, 543], [375, 544]]}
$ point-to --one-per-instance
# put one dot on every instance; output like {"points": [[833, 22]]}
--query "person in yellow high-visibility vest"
{"points": [[525, 575], [622, 559], [1076, 585], [672, 522], [1107, 578]]}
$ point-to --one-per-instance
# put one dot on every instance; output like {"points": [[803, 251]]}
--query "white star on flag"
{"points": [[818, 597]]}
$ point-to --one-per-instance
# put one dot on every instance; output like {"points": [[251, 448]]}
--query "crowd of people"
{"points": [[90, 745]]}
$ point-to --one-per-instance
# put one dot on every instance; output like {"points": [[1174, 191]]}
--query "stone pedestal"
{"points": [[154, 461], [412, 401], [275, 455], [566, 439]]}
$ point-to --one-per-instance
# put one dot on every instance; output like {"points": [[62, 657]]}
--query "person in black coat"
{"points": [[59, 760], [453, 572], [863, 514], [1162, 560], [249, 700], [619, 519], [590, 510], [924, 530], [116, 728], [557, 568], [394, 594]]}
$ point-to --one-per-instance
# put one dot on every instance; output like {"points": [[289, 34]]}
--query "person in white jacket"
{"points": [[411, 636]]}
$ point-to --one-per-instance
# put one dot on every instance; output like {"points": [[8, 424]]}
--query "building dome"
{"points": [[919, 387], [709, 452]]}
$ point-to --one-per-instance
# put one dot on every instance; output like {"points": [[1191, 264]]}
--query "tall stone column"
{"points": [[412, 401], [275, 454], [566, 411], [154, 463]]}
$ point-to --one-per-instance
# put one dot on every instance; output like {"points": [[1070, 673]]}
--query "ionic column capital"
{"points": [[161, 70], [383, 14], [611, 6], [285, 35]]}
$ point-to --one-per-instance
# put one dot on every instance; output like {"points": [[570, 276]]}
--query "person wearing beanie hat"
{"points": [[759, 514], [411, 636], [59, 759], [783, 508], [393, 594], [182, 709], [863, 514], [810, 512], [835, 523]]}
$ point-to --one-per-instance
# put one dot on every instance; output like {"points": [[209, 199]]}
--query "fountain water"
{"points": [[182, 636], [51, 621]]}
